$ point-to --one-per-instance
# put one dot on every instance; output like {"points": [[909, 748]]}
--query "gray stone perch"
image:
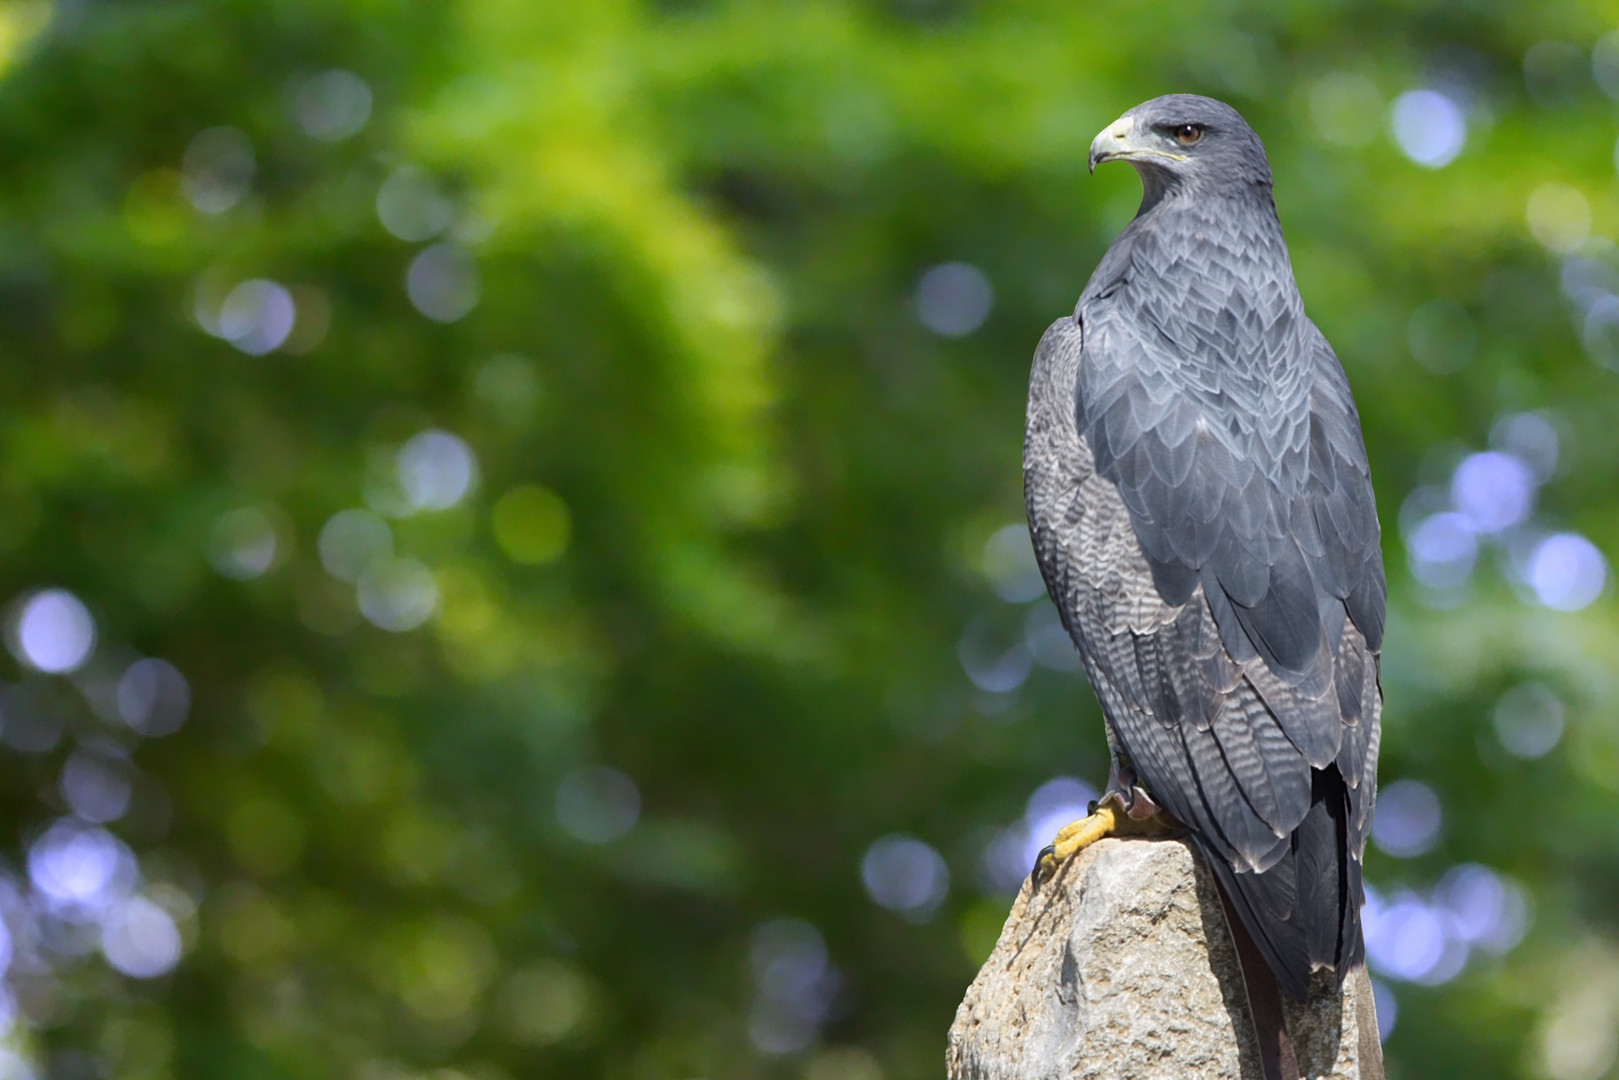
{"points": [[1122, 966]]}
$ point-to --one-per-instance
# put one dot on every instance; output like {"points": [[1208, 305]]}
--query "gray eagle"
{"points": [[1200, 505]]}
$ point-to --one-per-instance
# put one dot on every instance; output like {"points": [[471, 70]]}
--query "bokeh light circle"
{"points": [[954, 299], [140, 939], [904, 874], [1567, 572], [1407, 819], [1429, 127], [54, 632], [597, 804]]}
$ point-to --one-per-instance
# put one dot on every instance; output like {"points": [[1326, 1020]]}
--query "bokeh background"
{"points": [[511, 540]]}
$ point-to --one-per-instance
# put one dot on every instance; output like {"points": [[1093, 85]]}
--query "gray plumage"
{"points": [[1201, 508]]}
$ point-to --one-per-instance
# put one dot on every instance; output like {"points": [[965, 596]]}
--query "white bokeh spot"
{"points": [[54, 632], [1429, 127]]}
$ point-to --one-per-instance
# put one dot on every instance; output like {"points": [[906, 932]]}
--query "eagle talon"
{"points": [[1105, 820], [1045, 866], [1108, 817]]}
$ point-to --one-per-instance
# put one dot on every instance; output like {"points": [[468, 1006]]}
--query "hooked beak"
{"points": [[1122, 140]]}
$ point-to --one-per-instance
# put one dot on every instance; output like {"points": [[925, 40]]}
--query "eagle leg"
{"points": [[1126, 810]]}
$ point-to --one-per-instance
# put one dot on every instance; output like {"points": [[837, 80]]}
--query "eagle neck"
{"points": [[1191, 233]]}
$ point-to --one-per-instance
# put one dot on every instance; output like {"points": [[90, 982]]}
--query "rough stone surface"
{"points": [[1123, 966]]}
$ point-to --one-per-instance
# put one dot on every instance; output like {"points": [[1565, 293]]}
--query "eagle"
{"points": [[1201, 508]]}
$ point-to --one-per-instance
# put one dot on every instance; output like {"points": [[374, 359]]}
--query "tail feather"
{"points": [[1279, 941], [1304, 911], [1278, 1060]]}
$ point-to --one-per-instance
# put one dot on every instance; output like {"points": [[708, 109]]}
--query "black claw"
{"points": [[1045, 864]]}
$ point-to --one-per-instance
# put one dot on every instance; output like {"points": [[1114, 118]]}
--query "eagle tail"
{"points": [[1277, 1058], [1303, 912]]}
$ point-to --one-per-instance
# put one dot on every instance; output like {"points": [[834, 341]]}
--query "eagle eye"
{"points": [[1187, 134]]}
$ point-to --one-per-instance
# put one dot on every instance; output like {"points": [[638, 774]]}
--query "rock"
{"points": [[1122, 966]]}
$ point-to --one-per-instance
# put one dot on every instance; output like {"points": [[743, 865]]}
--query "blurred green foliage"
{"points": [[688, 638]]}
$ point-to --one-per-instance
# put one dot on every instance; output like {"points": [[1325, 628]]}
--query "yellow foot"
{"points": [[1110, 819]]}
